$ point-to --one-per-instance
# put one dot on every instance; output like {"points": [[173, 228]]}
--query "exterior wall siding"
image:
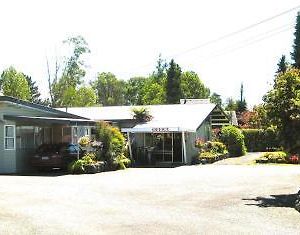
{"points": [[7, 157]]}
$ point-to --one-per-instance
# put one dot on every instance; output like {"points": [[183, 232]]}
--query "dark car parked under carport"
{"points": [[49, 156]]}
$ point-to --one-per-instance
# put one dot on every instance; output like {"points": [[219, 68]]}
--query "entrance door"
{"points": [[167, 147], [177, 147]]}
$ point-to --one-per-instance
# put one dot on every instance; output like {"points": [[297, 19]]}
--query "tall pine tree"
{"points": [[173, 89], [241, 104], [296, 47], [35, 95], [282, 65]]}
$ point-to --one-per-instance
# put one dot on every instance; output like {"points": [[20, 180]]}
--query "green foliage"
{"points": [[35, 95], [73, 71], [85, 96], [81, 166], [14, 83], [282, 65], [216, 99], [283, 107], [209, 151], [76, 167], [121, 162], [273, 157], [231, 105], [213, 147], [241, 106], [134, 94], [160, 71], [173, 89], [109, 90], [141, 114], [64, 86], [259, 140], [153, 92], [82, 97], [89, 158], [112, 139], [192, 87], [296, 46], [233, 138]]}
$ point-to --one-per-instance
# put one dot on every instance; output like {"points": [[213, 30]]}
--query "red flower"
{"points": [[294, 159]]}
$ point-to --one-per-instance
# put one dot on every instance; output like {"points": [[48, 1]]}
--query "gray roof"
{"points": [[175, 116], [46, 109]]}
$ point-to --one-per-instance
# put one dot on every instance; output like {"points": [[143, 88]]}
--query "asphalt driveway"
{"points": [[214, 199]]}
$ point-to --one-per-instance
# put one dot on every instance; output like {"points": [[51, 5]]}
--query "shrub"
{"points": [[273, 157], [210, 152], [233, 138], [114, 148], [141, 114], [76, 167], [258, 140], [211, 146], [88, 164], [218, 148], [112, 139], [121, 162]]}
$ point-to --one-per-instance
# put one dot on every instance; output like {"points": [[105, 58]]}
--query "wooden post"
{"points": [[184, 148]]}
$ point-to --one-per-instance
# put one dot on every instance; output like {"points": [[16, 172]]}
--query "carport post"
{"points": [[129, 144], [77, 140], [184, 147]]}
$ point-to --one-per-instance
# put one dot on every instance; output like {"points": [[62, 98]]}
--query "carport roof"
{"points": [[48, 120]]}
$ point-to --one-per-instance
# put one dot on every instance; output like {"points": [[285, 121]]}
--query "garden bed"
{"points": [[279, 157]]}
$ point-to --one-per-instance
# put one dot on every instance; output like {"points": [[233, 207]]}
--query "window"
{"points": [[75, 135], [9, 137], [87, 131]]}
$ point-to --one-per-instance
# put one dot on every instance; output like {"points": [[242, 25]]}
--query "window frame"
{"points": [[6, 137]]}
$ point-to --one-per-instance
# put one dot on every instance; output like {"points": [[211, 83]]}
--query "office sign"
{"points": [[160, 129]]}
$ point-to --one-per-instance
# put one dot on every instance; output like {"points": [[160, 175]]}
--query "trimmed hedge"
{"points": [[233, 138], [259, 140]]}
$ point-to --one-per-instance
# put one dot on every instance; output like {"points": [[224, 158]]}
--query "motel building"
{"points": [[169, 138]]}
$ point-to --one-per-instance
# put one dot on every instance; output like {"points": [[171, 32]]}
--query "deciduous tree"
{"points": [[283, 107], [109, 89], [192, 87], [14, 83], [134, 90]]}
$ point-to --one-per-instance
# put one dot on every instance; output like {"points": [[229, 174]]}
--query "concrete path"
{"points": [[248, 159], [208, 199]]}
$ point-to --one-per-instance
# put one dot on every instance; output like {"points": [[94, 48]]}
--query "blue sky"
{"points": [[126, 37]]}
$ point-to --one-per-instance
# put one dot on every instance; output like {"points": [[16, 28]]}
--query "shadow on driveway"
{"points": [[48, 173], [280, 200]]}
